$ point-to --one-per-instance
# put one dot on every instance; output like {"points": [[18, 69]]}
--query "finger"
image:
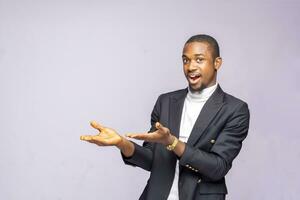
{"points": [[160, 127], [86, 137], [140, 136], [96, 139], [96, 125], [133, 134]]}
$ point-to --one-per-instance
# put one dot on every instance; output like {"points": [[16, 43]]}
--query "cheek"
{"points": [[207, 73], [185, 69], [208, 69]]}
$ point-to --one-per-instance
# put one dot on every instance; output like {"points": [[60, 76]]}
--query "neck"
{"points": [[203, 94], [203, 87]]}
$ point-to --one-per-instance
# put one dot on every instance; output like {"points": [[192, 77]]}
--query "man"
{"points": [[195, 135]]}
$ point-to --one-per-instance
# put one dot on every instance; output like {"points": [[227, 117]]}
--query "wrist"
{"points": [[121, 143], [126, 147], [171, 146], [170, 139]]}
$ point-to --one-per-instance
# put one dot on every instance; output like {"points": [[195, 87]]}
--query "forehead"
{"points": [[193, 48]]}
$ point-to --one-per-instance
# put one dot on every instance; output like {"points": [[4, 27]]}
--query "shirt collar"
{"points": [[202, 95]]}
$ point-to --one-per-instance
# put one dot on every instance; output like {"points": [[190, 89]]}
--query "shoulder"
{"points": [[229, 98], [234, 103], [173, 94]]}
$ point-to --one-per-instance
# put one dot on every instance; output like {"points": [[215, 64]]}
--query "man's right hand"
{"points": [[105, 137], [109, 137]]}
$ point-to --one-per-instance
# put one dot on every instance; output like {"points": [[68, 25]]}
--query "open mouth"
{"points": [[194, 77]]}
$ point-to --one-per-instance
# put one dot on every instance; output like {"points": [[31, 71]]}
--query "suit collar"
{"points": [[176, 105]]}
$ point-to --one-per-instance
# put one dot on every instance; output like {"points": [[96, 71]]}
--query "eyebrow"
{"points": [[200, 54]]}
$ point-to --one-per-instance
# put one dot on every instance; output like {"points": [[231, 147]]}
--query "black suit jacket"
{"points": [[215, 140]]}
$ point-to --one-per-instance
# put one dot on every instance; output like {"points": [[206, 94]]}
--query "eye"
{"points": [[185, 60], [199, 60]]}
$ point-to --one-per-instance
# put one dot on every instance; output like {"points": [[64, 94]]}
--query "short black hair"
{"points": [[208, 39]]}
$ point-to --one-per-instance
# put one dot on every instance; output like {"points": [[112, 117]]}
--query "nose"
{"points": [[192, 66]]}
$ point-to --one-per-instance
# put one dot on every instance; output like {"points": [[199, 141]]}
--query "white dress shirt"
{"points": [[192, 107]]}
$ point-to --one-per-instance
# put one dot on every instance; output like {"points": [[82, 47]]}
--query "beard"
{"points": [[202, 86]]}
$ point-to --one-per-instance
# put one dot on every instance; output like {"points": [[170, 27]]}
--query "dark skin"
{"points": [[198, 59], [200, 68]]}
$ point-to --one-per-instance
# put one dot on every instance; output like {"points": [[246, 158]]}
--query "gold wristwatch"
{"points": [[172, 146]]}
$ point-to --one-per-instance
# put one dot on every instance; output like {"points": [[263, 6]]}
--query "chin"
{"points": [[196, 87]]}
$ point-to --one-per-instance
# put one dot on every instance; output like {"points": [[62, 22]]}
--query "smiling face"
{"points": [[199, 65]]}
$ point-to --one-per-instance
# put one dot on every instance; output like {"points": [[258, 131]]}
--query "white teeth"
{"points": [[193, 75]]}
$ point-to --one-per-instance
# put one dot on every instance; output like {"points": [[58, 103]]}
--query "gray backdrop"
{"points": [[64, 63]]}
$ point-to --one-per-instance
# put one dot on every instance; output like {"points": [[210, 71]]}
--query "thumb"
{"points": [[160, 127], [96, 125]]}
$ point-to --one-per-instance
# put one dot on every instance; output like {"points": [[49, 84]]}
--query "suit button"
{"points": [[187, 165], [212, 141], [199, 180], [196, 170]]}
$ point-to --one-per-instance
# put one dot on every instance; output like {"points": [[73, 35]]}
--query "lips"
{"points": [[194, 76]]}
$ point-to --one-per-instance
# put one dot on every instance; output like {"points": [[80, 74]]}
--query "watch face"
{"points": [[171, 147]]}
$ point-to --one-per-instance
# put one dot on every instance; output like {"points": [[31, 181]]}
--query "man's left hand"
{"points": [[161, 135]]}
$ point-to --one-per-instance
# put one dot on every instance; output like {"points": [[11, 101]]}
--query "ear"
{"points": [[218, 63]]}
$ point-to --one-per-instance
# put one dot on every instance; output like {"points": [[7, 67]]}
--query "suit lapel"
{"points": [[176, 106], [209, 110]]}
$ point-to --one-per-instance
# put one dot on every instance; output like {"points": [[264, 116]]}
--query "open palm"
{"points": [[106, 137], [161, 135]]}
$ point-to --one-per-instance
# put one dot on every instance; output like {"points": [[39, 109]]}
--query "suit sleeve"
{"points": [[216, 163], [143, 155]]}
